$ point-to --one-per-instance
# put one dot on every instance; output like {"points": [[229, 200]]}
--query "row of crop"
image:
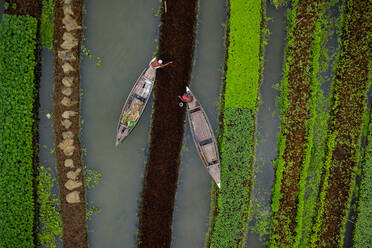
{"points": [[17, 151], [237, 153], [349, 91], [299, 99], [243, 69], [363, 226], [243, 63], [325, 30]]}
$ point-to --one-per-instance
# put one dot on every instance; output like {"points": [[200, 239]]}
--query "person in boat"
{"points": [[186, 97], [156, 64]]}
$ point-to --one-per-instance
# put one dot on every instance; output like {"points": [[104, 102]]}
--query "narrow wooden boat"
{"points": [[204, 138], [135, 103]]}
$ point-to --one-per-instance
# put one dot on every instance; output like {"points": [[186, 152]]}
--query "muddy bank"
{"points": [[67, 37], [24, 7], [176, 43]]}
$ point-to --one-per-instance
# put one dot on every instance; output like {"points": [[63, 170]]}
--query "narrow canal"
{"points": [[267, 121], [47, 157], [122, 34], [190, 220]]}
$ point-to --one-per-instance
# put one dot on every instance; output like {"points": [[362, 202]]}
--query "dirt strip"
{"points": [[67, 38], [24, 7], [297, 115], [176, 42], [350, 86]]}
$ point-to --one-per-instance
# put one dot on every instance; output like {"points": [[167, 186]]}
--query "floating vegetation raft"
{"points": [[349, 94], [243, 75], [17, 148], [363, 226], [176, 42], [298, 110]]}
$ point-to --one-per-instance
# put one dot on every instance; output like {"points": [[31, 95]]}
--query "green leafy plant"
{"points": [[242, 77], [363, 226], [91, 177], [17, 96], [298, 102], [47, 24], [231, 204], [49, 216], [349, 93], [236, 172]]}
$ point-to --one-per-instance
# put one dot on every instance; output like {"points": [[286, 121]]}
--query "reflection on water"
{"points": [[267, 120], [122, 34], [190, 222]]}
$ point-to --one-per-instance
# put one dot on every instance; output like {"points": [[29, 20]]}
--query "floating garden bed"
{"points": [[363, 226], [231, 205], [19, 54], [298, 110], [349, 92], [176, 43], [18, 94]]}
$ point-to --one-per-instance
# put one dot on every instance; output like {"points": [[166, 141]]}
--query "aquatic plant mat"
{"points": [[243, 70], [297, 118], [349, 94], [176, 43], [19, 82], [67, 134]]}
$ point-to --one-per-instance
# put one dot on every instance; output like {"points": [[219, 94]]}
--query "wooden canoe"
{"points": [[204, 138], [135, 104]]}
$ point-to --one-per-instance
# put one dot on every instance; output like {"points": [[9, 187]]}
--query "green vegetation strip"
{"points": [[325, 32], [242, 77], [47, 24], [298, 101], [244, 67], [236, 158], [349, 91], [17, 96], [363, 226]]}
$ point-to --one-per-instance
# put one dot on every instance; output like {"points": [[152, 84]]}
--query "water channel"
{"points": [[122, 34], [267, 120], [47, 157], [190, 221]]}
